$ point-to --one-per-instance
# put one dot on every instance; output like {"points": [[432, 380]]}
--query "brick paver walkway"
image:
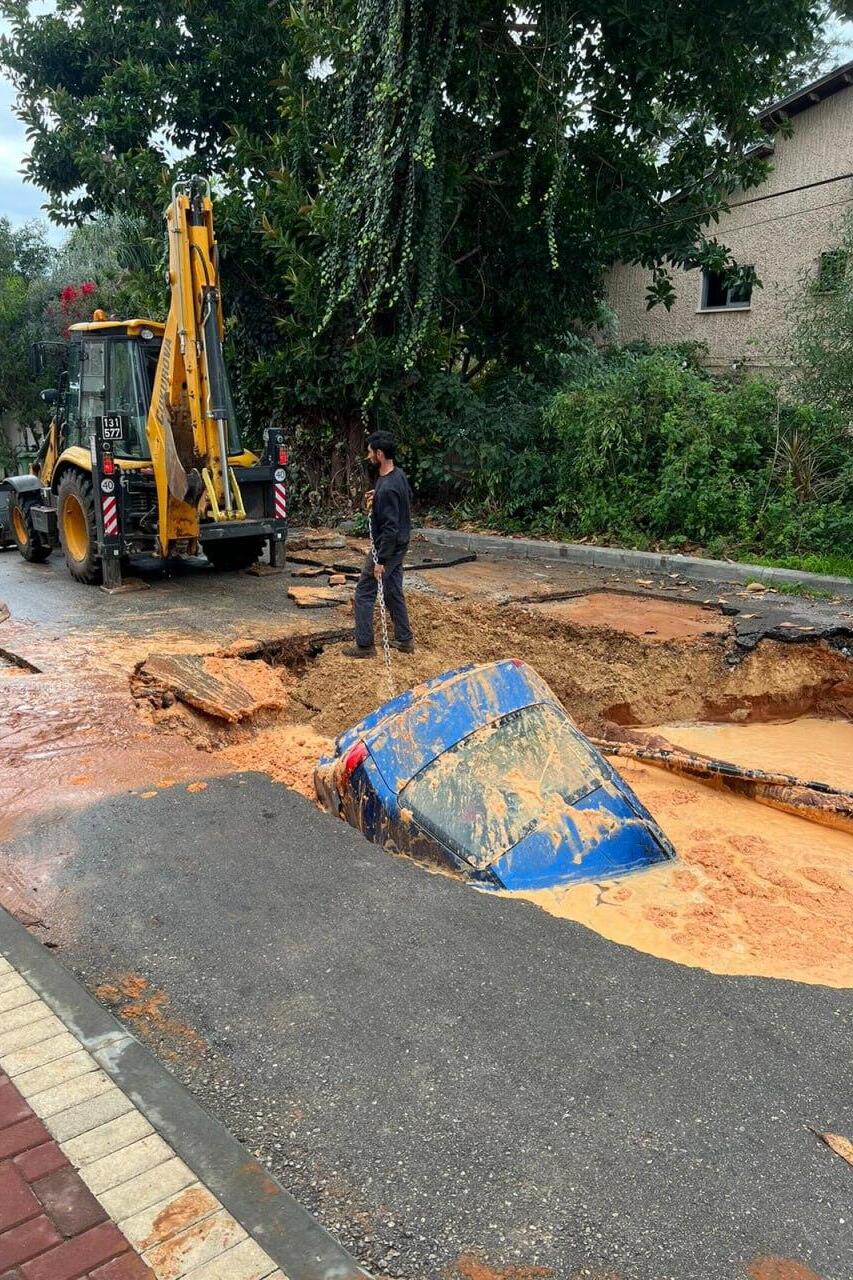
{"points": [[51, 1226], [87, 1188]]}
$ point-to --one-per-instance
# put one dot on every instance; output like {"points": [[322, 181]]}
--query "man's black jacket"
{"points": [[391, 517]]}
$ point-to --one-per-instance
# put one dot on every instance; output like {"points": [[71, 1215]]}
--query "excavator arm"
{"points": [[190, 418]]}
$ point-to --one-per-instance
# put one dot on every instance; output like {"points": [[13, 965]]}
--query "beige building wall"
{"points": [[783, 237]]}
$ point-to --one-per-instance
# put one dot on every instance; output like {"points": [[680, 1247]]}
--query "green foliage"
{"points": [[834, 564], [639, 446], [442, 185], [487, 161], [109, 98], [25, 257], [822, 334]]}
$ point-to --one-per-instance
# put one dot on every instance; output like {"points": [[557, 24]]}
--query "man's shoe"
{"points": [[358, 651], [405, 646]]}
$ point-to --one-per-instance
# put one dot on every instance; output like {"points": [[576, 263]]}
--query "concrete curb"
{"points": [[293, 1239], [623, 558]]}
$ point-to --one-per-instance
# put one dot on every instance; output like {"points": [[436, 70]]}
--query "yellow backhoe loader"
{"points": [[143, 455]]}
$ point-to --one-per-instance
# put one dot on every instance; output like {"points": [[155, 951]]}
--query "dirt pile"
{"points": [[287, 752], [599, 674]]}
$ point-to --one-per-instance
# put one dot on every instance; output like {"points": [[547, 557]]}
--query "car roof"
{"points": [[407, 733]]}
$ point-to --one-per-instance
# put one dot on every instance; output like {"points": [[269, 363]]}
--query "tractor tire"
{"points": [[27, 539], [234, 553], [78, 535]]}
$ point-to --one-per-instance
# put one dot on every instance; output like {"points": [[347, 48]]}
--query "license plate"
{"points": [[112, 426]]}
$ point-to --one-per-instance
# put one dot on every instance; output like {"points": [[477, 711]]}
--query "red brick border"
{"points": [[51, 1226]]}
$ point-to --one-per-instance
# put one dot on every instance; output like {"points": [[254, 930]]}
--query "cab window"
{"points": [[128, 393], [71, 398], [91, 393]]}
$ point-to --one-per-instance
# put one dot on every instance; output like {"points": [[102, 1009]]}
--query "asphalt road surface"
{"points": [[435, 1071]]}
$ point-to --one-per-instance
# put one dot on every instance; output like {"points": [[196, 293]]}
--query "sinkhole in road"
{"points": [[756, 891]]}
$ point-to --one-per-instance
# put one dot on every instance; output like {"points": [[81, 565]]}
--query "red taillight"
{"points": [[354, 757], [108, 466], [516, 662], [282, 456]]}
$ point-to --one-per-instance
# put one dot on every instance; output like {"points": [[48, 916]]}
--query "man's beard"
{"points": [[371, 469]]}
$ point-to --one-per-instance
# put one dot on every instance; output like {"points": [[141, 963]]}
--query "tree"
{"points": [[25, 257], [406, 187], [112, 99], [489, 159]]}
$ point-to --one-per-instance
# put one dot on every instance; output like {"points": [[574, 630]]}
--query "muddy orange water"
{"points": [[812, 749], [755, 891]]}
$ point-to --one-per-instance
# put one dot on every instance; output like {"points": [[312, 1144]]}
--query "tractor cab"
{"points": [[111, 373]]}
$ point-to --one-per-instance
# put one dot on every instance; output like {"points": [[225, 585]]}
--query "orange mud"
{"points": [[148, 1010], [813, 750], [260, 681], [51, 725], [181, 1212], [755, 891], [287, 752], [639, 615], [71, 732], [470, 1267], [780, 1269]]}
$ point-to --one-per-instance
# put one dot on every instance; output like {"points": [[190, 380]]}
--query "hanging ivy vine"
{"points": [[387, 182]]}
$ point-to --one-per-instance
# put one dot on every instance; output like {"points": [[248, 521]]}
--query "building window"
{"points": [[719, 296], [831, 270]]}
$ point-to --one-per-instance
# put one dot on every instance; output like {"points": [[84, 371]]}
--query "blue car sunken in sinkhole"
{"points": [[481, 770]]}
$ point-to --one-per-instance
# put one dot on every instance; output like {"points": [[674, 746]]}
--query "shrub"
{"points": [[638, 445]]}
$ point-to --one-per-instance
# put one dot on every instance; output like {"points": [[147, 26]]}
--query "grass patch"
{"points": [[801, 589], [837, 565]]}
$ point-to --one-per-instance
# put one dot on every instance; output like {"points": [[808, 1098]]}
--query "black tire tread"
{"points": [[34, 550], [89, 570]]}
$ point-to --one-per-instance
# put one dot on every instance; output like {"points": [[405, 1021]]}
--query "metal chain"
{"points": [[380, 587]]}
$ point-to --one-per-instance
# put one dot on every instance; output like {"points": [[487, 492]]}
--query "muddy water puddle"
{"points": [[755, 891], [812, 749]]}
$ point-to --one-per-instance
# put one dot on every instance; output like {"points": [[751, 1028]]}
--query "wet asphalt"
{"points": [[435, 1071]]}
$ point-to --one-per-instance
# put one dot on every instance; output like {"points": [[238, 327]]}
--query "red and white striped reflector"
{"points": [[280, 501], [109, 511]]}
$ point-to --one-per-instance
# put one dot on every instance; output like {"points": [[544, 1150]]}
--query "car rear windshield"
{"points": [[491, 789]]}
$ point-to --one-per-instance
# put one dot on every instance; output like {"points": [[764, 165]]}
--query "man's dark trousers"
{"points": [[365, 599]]}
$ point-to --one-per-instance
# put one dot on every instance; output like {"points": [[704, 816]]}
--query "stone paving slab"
{"points": [[89, 1189]]}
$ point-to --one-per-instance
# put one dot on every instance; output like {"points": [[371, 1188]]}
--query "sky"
{"points": [[20, 201]]}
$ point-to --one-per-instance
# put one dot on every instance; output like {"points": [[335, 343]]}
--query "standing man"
{"points": [[389, 504]]}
